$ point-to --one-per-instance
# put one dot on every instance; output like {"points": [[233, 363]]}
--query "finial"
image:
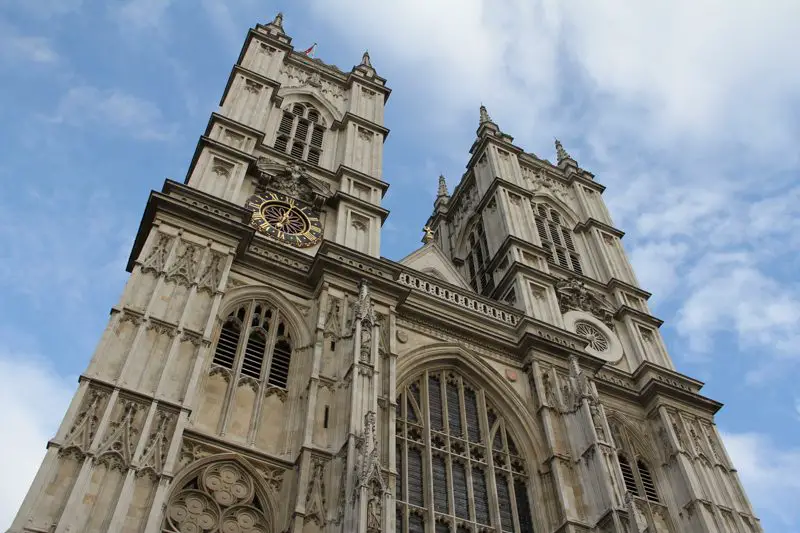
{"points": [[278, 20], [442, 187], [365, 59], [561, 154], [429, 234], [485, 115]]}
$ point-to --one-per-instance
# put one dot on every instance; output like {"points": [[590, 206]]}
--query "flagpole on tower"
{"points": [[311, 50]]}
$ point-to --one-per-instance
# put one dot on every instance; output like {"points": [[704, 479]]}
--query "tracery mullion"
{"points": [[486, 433], [265, 366], [426, 449], [237, 365]]}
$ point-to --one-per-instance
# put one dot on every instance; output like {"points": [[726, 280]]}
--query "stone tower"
{"points": [[267, 371]]}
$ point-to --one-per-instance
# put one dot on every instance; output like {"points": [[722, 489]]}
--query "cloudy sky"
{"points": [[688, 111]]}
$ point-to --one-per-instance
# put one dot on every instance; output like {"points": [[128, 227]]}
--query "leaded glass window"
{"points": [[458, 466]]}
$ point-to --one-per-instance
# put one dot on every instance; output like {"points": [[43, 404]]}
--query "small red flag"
{"points": [[310, 51]]}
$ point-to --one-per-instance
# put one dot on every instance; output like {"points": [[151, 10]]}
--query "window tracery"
{"points": [[636, 473], [255, 343], [456, 458], [219, 498], [556, 238], [301, 132]]}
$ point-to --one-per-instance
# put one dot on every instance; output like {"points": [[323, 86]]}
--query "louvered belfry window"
{"points": [[301, 132], [556, 238], [255, 342], [456, 457]]}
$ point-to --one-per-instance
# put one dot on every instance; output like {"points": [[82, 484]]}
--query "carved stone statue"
{"points": [[573, 294]]}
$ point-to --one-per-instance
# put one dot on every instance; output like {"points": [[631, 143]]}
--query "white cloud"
{"points": [[34, 398], [113, 110], [45, 8], [141, 14], [21, 48], [768, 473]]}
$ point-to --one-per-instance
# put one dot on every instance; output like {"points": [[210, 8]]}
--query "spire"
{"points": [[365, 59], [277, 23], [442, 192], [562, 156], [485, 118]]}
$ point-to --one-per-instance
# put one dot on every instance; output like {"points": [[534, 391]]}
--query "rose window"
{"points": [[597, 341]]}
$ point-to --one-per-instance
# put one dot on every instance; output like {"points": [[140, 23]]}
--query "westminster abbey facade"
{"points": [[267, 371]]}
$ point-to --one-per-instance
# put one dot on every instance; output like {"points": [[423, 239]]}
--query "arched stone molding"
{"points": [[564, 210], [520, 422], [293, 95], [297, 322], [461, 239], [263, 493]]}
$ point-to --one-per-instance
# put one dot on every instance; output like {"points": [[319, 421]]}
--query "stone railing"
{"points": [[462, 300]]}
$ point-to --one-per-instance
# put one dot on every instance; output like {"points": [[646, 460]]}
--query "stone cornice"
{"points": [[586, 181], [344, 170], [615, 283], [198, 208], [590, 223], [238, 69], [342, 197], [379, 85], [220, 147], [379, 272], [268, 256], [626, 310], [657, 383], [534, 334], [235, 124], [480, 144], [366, 123]]}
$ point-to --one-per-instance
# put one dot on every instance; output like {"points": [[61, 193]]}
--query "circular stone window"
{"points": [[603, 343], [597, 341]]}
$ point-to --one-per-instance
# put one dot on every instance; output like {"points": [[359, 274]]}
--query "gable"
{"points": [[431, 260]]}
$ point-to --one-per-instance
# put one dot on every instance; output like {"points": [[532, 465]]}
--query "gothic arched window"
{"points": [[456, 461], [301, 132], [556, 238], [480, 280], [255, 342]]}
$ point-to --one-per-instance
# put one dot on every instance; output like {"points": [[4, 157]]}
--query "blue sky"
{"points": [[689, 112]]}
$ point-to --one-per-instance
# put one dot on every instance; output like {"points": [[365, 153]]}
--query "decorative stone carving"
{"points": [[184, 268], [315, 495], [155, 451], [211, 275], [252, 86], [220, 497], [332, 327], [382, 322], [365, 135], [292, 180], [365, 314], [574, 295], [156, 260], [597, 421], [80, 436], [299, 77], [117, 448]]}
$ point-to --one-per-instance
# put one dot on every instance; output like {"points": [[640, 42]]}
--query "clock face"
{"points": [[285, 219]]}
